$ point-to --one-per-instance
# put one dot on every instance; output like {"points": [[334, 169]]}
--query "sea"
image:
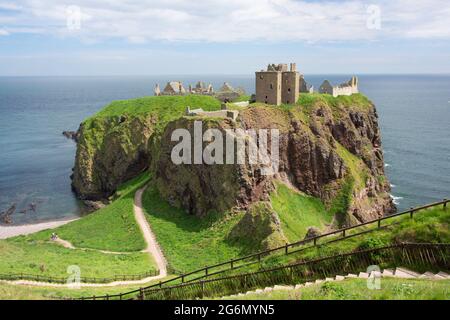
{"points": [[36, 160]]}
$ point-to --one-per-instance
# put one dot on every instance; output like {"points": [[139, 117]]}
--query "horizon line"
{"points": [[222, 74]]}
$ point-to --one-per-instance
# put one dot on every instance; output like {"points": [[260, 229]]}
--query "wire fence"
{"points": [[295, 247], [232, 264], [64, 280]]}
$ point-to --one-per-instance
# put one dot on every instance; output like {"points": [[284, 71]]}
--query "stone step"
{"points": [[259, 291], [318, 281], [443, 275], [298, 286], [375, 274], [427, 275], [351, 275], [268, 289], [339, 278], [307, 284], [277, 287], [329, 279], [363, 275], [388, 273], [405, 273]]}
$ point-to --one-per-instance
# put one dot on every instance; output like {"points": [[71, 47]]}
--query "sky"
{"points": [[152, 37]]}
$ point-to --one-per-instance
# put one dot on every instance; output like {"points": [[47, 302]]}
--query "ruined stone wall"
{"points": [[290, 87], [268, 87], [344, 91]]}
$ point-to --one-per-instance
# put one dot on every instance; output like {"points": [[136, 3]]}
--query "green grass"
{"points": [[39, 257], [356, 289], [111, 228], [23, 292], [190, 242], [165, 106], [428, 226], [297, 212], [310, 99], [160, 110]]}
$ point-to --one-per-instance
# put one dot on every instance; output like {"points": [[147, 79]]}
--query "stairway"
{"points": [[399, 272]]}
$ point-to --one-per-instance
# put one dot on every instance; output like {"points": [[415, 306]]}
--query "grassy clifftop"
{"points": [[116, 144]]}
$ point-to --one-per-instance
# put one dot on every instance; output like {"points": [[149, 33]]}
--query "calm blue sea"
{"points": [[36, 160]]}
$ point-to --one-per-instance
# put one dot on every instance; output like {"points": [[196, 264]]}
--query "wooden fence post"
{"points": [[343, 233], [182, 278], [286, 248], [141, 294], [206, 270], [445, 204], [379, 223], [202, 284], [411, 213], [315, 240], [231, 261]]}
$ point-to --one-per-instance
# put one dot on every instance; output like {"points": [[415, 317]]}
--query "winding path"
{"points": [[153, 249]]}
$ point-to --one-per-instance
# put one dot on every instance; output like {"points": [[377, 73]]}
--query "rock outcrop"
{"points": [[110, 151], [260, 228], [329, 149], [332, 152]]}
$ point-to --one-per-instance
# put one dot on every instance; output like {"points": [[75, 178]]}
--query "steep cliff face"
{"points": [[110, 151], [329, 150], [121, 140]]}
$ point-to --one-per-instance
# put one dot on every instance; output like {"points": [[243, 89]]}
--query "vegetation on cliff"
{"points": [[330, 151], [117, 143]]}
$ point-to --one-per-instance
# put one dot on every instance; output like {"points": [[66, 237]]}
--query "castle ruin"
{"points": [[278, 85], [344, 89]]}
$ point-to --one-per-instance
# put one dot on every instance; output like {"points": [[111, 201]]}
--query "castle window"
{"points": [[261, 77], [289, 90], [271, 86]]}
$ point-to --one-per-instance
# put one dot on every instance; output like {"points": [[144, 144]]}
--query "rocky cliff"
{"points": [[330, 149]]}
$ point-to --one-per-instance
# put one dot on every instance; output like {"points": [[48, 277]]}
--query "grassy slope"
{"points": [[356, 289], [23, 292], [297, 212], [190, 242], [111, 228], [428, 226], [163, 108]]}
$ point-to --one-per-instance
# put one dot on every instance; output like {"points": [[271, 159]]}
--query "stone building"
{"points": [[277, 84], [227, 93], [344, 89], [201, 88], [172, 88]]}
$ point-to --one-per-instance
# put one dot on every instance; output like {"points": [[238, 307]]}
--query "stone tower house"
{"points": [[278, 85]]}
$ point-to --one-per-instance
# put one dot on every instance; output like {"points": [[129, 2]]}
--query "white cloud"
{"points": [[3, 32], [233, 20]]}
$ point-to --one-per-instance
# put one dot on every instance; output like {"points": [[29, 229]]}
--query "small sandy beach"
{"points": [[12, 231]]}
